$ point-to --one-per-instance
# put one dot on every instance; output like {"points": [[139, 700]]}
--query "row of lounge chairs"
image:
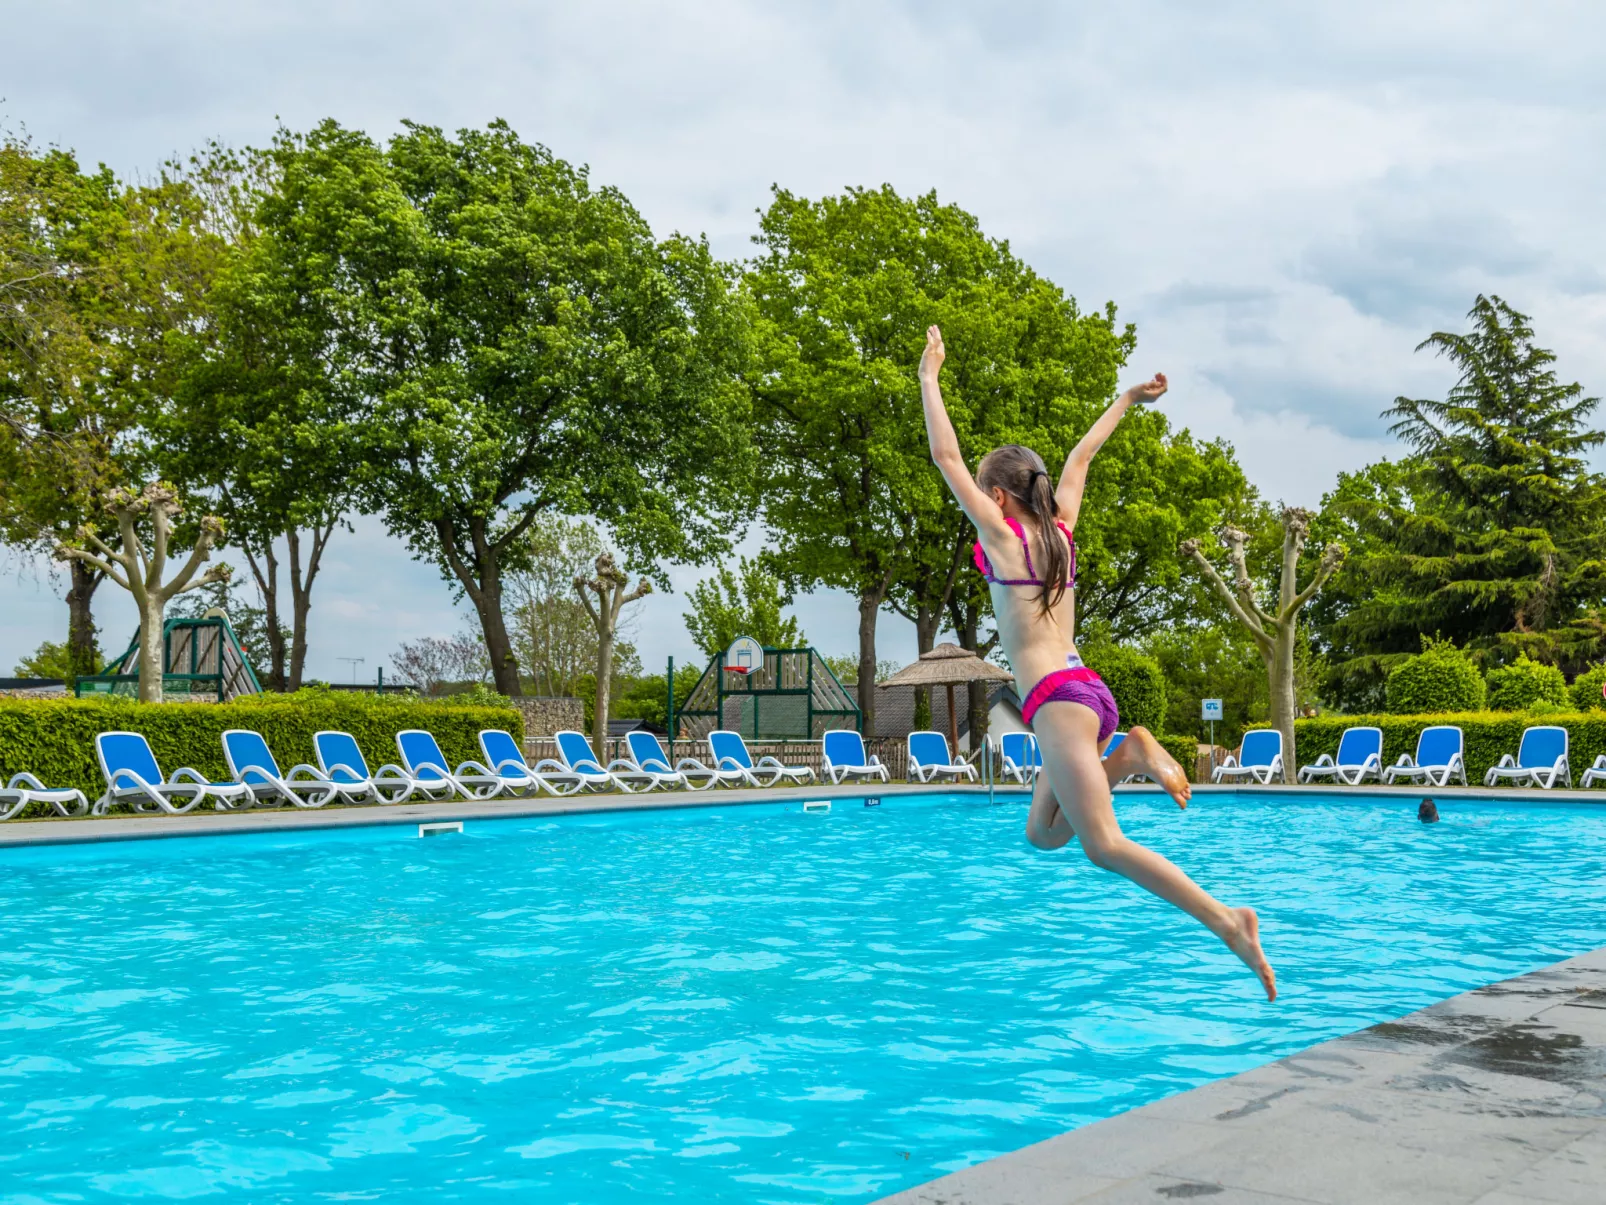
{"points": [[1540, 761], [134, 777]]}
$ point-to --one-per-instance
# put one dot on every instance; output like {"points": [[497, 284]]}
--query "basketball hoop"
{"points": [[744, 656]]}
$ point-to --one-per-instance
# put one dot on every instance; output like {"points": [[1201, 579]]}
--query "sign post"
{"points": [[1210, 712]]}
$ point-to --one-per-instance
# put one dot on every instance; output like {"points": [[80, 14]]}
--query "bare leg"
{"points": [[1077, 802], [1140, 753]]}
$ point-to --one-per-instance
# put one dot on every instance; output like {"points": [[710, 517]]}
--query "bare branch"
{"points": [[1235, 539], [65, 552], [1296, 528], [1332, 557], [1190, 548]]}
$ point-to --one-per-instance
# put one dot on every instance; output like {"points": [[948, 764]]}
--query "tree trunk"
{"points": [[599, 718], [1280, 677], [152, 609], [483, 585], [81, 619], [869, 607], [268, 585], [928, 620], [301, 596]]}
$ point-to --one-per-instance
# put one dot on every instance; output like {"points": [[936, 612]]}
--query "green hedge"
{"points": [[1184, 748], [1136, 681], [55, 738], [1488, 735]]}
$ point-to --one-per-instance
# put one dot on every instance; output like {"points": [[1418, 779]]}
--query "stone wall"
{"points": [[543, 716]]}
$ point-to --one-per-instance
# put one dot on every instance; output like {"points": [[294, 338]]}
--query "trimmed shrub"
{"points": [[1518, 686], [55, 738], [1136, 682], [1488, 735], [1184, 748], [1438, 679], [1586, 689]]}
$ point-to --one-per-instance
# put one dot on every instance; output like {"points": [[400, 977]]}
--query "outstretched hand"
{"points": [[931, 359], [1150, 390]]}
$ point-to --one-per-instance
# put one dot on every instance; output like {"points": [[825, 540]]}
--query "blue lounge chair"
{"points": [[729, 752], [649, 757], [929, 759], [576, 754], [343, 762], [134, 778], [1360, 752], [1260, 758], [24, 789], [518, 777], [422, 758], [1440, 754], [251, 762], [1023, 759], [842, 752], [1541, 760], [1595, 773]]}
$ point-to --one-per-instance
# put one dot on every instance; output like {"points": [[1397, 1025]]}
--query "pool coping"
{"points": [[1495, 1096], [58, 830]]}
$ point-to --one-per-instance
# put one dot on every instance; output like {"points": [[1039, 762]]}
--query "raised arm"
{"points": [[981, 509], [1074, 479]]}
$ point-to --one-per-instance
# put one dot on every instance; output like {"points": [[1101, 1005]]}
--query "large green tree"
{"points": [[258, 424], [97, 279], [845, 288], [520, 343], [743, 602], [1490, 531]]}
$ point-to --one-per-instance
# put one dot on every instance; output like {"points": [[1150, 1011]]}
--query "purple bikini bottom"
{"points": [[1079, 685]]}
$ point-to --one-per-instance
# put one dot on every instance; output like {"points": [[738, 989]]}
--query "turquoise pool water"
{"points": [[742, 1004]]}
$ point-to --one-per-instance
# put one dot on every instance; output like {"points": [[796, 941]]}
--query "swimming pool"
{"points": [[733, 1004]]}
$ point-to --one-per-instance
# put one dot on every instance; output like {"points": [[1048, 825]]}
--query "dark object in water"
{"points": [[1428, 812]]}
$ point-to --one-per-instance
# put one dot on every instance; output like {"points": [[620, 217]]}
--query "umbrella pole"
{"points": [[953, 722]]}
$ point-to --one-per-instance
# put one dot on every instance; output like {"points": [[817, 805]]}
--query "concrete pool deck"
{"points": [[58, 830], [1496, 1096]]}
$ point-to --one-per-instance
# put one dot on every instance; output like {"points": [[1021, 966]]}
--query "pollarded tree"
{"points": [[611, 585], [516, 342], [142, 573], [1274, 631]]}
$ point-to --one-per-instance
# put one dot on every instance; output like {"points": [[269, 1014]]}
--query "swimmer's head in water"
{"points": [[1428, 812], [1019, 473]]}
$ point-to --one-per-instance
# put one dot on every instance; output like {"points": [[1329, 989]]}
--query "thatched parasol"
{"points": [[948, 665]]}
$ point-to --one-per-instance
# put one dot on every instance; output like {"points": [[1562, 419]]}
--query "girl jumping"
{"points": [[1027, 553]]}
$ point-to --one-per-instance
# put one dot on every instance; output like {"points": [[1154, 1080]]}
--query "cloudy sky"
{"points": [[1285, 198]]}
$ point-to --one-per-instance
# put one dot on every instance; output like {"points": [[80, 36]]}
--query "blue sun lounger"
{"points": [[422, 758], [252, 763], [24, 789], [842, 752], [1260, 758], [518, 777], [1541, 760], [1440, 754], [729, 752], [929, 759], [1023, 760], [134, 778], [1360, 752], [649, 757], [342, 761], [575, 751]]}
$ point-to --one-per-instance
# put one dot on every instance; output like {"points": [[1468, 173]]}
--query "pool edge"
{"points": [[1496, 1094]]}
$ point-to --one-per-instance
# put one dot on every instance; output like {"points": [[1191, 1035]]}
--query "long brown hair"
{"points": [[1021, 473]]}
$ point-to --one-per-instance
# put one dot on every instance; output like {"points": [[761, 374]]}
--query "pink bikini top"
{"points": [[986, 567]]}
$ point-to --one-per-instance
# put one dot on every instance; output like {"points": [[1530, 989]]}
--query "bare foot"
{"points": [[1148, 756], [1246, 944]]}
